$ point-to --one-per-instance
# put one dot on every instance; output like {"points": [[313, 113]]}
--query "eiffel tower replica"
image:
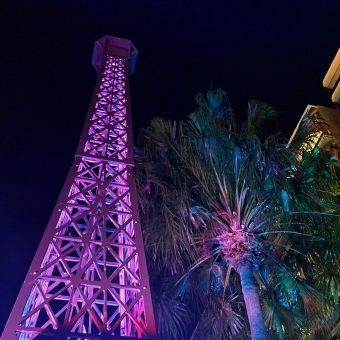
{"points": [[88, 279]]}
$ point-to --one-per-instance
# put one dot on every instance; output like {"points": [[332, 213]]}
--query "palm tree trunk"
{"points": [[251, 298]]}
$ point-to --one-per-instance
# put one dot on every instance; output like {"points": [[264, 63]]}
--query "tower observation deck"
{"points": [[88, 279]]}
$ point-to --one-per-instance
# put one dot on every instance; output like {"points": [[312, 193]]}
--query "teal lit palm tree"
{"points": [[234, 224]]}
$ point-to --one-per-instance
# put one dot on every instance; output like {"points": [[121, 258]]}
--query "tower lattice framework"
{"points": [[88, 279]]}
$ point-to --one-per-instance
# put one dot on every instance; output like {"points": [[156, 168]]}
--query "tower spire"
{"points": [[88, 279]]}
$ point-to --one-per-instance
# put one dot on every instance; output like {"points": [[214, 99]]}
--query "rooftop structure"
{"points": [[332, 80]]}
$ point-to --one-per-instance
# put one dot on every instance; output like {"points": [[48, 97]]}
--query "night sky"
{"points": [[274, 51]]}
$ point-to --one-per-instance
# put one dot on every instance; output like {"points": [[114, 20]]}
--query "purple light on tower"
{"points": [[88, 279]]}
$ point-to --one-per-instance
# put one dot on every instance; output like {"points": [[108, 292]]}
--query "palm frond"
{"points": [[214, 193]]}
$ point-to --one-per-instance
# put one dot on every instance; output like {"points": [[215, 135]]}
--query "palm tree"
{"points": [[323, 177], [226, 218]]}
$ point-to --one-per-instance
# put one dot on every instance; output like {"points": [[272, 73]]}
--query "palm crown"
{"points": [[236, 225]]}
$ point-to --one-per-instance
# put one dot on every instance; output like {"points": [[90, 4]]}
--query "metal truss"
{"points": [[89, 279]]}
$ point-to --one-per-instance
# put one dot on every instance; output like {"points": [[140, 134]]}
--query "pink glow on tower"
{"points": [[88, 279]]}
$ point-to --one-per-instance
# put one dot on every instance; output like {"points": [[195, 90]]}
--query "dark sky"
{"points": [[275, 51]]}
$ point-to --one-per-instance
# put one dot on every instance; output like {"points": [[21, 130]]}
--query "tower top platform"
{"points": [[116, 46]]}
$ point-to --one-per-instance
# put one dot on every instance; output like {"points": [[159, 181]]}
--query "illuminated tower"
{"points": [[88, 279]]}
